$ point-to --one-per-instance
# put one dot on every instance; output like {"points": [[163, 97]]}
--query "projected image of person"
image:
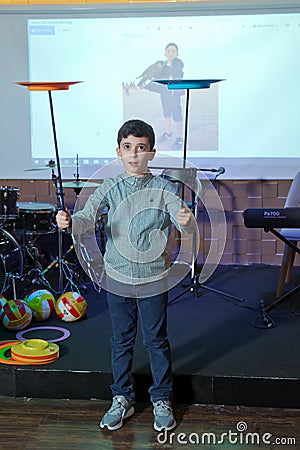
{"points": [[141, 209], [171, 68]]}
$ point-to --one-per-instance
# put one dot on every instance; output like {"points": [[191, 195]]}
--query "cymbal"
{"points": [[50, 166], [79, 184]]}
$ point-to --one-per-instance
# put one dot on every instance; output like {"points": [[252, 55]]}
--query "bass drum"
{"points": [[11, 259]]}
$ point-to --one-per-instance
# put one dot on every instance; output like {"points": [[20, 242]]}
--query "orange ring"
{"points": [[39, 361], [6, 360]]}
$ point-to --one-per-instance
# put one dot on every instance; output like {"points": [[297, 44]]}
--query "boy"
{"points": [[136, 268]]}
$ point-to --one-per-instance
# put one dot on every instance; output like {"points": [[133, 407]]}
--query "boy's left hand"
{"points": [[184, 216]]}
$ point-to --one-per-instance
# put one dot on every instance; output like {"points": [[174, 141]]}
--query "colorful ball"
{"points": [[71, 306], [42, 304], [16, 315], [2, 303]]}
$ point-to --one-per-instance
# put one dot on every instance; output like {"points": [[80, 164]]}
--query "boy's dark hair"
{"points": [[172, 44], [137, 128]]}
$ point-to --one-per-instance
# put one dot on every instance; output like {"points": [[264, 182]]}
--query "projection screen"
{"points": [[247, 123]]}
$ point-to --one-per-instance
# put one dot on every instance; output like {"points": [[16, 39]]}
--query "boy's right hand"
{"points": [[63, 219]]}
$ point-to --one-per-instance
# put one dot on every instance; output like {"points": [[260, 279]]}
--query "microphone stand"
{"points": [[195, 284]]}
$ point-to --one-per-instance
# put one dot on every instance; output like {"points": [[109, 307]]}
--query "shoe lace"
{"points": [[117, 406], [162, 408]]}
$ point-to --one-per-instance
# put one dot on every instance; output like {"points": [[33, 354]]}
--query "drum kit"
{"points": [[21, 226], [13, 219]]}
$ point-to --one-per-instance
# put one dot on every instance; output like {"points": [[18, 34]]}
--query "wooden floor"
{"points": [[28, 424]]}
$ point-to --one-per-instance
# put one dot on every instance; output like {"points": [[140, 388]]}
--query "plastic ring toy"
{"points": [[66, 333], [4, 346], [8, 360]]}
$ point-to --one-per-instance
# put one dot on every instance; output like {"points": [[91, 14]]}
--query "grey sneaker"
{"points": [[120, 409], [177, 144], [164, 137], [163, 416]]}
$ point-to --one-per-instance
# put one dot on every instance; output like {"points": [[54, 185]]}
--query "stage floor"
{"points": [[222, 352]]}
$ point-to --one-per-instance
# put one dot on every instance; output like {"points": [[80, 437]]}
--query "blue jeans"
{"points": [[152, 311]]}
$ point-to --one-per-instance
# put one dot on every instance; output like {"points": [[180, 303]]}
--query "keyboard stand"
{"points": [[284, 297]]}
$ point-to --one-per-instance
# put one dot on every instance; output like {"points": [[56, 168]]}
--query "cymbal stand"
{"points": [[64, 267], [32, 251], [14, 287], [76, 175], [60, 205], [11, 279], [67, 269]]}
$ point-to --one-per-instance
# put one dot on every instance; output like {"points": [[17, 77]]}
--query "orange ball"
{"points": [[71, 306]]}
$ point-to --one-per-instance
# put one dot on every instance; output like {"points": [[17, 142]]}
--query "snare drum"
{"points": [[37, 218], [8, 202]]}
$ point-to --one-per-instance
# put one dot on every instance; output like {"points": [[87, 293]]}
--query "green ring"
{"points": [[4, 350]]}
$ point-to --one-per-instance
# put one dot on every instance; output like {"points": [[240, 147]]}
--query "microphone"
{"points": [[219, 171]]}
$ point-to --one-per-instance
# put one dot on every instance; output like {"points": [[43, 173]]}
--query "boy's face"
{"points": [[135, 154]]}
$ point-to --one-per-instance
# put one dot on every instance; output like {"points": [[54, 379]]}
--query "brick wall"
{"points": [[243, 245], [251, 245]]}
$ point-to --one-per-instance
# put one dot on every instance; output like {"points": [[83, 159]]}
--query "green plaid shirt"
{"points": [[140, 214]]}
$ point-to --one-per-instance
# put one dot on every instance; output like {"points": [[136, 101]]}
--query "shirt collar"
{"points": [[132, 180]]}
